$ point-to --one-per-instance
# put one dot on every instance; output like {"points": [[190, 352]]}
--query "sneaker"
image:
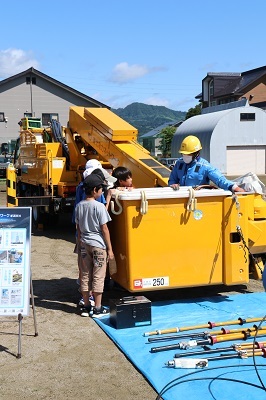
{"points": [[101, 312], [91, 299], [85, 311], [81, 302]]}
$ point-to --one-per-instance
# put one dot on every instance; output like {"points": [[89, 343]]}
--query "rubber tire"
{"points": [[51, 220]]}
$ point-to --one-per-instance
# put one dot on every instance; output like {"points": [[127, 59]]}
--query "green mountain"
{"points": [[145, 117]]}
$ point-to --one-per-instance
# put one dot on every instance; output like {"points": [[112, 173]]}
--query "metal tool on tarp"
{"points": [[235, 347], [209, 325], [203, 362], [210, 340], [204, 335]]}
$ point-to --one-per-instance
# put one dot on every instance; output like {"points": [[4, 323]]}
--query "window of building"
{"points": [[30, 80], [247, 116], [211, 87], [213, 103], [224, 101], [2, 117], [47, 118]]}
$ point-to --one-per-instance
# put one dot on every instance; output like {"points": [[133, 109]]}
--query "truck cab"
{"points": [[168, 162]]}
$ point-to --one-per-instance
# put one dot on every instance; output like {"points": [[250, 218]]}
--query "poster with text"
{"points": [[15, 247]]}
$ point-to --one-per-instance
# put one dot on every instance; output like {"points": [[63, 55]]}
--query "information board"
{"points": [[15, 245]]}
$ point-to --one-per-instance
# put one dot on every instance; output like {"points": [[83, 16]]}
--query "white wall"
{"points": [[16, 98], [230, 131], [221, 130]]}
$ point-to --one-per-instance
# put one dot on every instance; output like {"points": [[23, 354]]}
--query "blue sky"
{"points": [[124, 51]]}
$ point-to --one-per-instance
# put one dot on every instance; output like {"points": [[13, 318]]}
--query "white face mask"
{"points": [[187, 159]]}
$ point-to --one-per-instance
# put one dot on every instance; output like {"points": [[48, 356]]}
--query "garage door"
{"points": [[244, 159]]}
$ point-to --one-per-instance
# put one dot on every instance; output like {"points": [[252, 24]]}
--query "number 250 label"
{"points": [[158, 281], [162, 281]]}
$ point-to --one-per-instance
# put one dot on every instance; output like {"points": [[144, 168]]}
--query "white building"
{"points": [[34, 94], [233, 140]]}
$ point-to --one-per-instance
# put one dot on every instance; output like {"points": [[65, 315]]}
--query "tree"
{"points": [[193, 111], [166, 135]]}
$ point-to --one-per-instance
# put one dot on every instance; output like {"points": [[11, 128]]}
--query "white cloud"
{"points": [[124, 73], [157, 101], [14, 61]]}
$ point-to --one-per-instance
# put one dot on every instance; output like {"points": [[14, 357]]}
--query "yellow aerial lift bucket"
{"points": [[172, 239]]}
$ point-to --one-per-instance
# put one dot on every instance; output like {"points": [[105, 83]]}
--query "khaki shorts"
{"points": [[77, 251], [92, 267]]}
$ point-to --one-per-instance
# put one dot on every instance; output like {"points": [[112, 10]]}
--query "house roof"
{"points": [[203, 126], [156, 131], [249, 77], [233, 82], [54, 82], [202, 123], [220, 107]]}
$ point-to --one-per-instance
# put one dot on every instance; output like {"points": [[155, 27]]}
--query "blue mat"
{"points": [[212, 382]]}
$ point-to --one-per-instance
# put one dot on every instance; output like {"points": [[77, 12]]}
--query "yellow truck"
{"points": [[161, 238], [48, 162]]}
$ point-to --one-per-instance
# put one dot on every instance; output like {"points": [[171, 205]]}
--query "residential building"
{"points": [[219, 88], [34, 94], [152, 139]]}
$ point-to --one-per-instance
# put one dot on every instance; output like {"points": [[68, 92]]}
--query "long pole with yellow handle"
{"points": [[208, 325], [210, 340], [205, 334]]}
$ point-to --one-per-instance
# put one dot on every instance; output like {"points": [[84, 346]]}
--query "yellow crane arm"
{"points": [[115, 141]]}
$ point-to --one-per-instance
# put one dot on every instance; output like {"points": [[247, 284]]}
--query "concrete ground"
{"points": [[72, 357]]}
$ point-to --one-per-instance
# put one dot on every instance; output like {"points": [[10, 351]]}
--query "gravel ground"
{"points": [[71, 356]]}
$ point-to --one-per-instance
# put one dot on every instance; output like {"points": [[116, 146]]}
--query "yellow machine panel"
{"points": [[49, 161], [114, 140], [114, 127], [163, 240]]}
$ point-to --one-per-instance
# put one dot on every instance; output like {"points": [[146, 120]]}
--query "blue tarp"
{"points": [[212, 382]]}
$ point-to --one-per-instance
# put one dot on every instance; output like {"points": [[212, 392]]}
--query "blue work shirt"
{"points": [[80, 195], [198, 172], [264, 277]]}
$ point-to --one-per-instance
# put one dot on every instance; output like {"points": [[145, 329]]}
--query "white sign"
{"points": [[15, 245], [147, 283], [58, 164]]}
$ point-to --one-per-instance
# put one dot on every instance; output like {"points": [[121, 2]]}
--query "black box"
{"points": [[130, 312]]}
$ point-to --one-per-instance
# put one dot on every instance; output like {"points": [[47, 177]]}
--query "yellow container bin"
{"points": [[166, 239]]}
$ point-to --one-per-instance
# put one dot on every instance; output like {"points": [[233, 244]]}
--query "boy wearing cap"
{"points": [[91, 218], [93, 166]]}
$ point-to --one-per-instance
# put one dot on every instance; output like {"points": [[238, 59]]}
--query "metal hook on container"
{"points": [[144, 203], [120, 208]]}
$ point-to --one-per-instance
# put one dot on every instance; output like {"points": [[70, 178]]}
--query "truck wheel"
{"points": [[51, 220]]}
